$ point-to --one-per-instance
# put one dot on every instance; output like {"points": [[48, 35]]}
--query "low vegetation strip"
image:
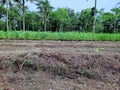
{"points": [[65, 36]]}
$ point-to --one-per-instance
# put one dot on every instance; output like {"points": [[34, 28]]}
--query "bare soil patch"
{"points": [[59, 65]]}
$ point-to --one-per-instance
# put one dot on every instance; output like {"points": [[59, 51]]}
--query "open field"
{"points": [[64, 36], [59, 65]]}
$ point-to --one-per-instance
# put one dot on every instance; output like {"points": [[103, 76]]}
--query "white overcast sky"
{"points": [[78, 5]]}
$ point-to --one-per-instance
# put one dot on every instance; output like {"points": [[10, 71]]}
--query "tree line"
{"points": [[14, 15]]}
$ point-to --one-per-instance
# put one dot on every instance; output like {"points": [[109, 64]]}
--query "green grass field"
{"points": [[66, 36]]}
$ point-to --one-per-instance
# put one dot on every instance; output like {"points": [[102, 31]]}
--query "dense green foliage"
{"points": [[76, 36], [62, 19]]}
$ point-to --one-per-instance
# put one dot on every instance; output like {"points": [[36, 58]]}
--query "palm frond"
{"points": [[118, 3]]}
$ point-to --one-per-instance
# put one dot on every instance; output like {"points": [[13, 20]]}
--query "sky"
{"points": [[79, 5]]}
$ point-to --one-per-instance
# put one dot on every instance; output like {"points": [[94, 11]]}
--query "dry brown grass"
{"points": [[77, 66]]}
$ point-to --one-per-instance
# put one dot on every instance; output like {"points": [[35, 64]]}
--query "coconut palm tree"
{"points": [[7, 3], [44, 9], [94, 22], [118, 3], [22, 5]]}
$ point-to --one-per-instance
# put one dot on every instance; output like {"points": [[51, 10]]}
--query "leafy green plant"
{"points": [[28, 63], [96, 49]]}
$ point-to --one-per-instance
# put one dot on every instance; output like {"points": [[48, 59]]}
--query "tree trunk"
{"points": [[20, 25], [94, 22], [7, 6], [23, 16], [114, 26], [114, 29], [61, 27], [45, 24]]}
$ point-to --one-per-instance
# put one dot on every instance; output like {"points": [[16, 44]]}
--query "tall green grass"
{"points": [[67, 36]]}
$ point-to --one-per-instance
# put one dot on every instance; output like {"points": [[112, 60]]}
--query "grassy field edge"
{"points": [[65, 36]]}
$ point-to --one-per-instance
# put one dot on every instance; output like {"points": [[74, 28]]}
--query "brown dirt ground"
{"points": [[59, 65]]}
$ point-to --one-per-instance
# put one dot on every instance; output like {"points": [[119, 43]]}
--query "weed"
{"points": [[67, 36], [43, 67], [20, 64], [86, 73], [61, 71], [96, 49], [28, 63]]}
